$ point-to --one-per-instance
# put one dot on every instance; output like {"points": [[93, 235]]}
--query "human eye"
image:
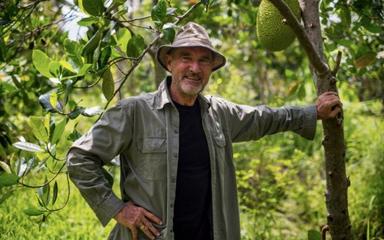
{"points": [[185, 58], [205, 61]]}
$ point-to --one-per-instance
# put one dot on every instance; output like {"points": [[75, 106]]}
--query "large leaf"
{"points": [[135, 46], [59, 129], [159, 12], [34, 211], [38, 129], [49, 102], [169, 32], [92, 7], [55, 192], [88, 21], [92, 44], [84, 69], [122, 37], [108, 85], [27, 146], [8, 179], [41, 62], [46, 189], [104, 57], [5, 166]]}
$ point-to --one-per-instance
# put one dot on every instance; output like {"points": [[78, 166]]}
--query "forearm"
{"points": [[254, 123], [87, 173]]}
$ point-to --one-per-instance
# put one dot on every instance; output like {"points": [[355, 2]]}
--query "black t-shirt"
{"points": [[192, 216]]}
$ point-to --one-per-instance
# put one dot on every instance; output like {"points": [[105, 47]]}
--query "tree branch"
{"points": [[138, 60], [320, 66]]}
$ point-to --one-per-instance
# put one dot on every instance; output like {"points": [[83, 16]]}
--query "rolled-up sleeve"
{"points": [[106, 139], [251, 123]]}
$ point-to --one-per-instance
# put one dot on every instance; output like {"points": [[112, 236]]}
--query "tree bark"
{"points": [[337, 183]]}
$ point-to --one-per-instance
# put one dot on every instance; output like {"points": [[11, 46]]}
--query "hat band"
{"points": [[185, 42]]}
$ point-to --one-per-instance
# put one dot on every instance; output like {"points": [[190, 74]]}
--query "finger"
{"points": [[134, 233], [328, 93], [152, 217], [151, 228], [146, 231], [334, 103], [334, 113]]}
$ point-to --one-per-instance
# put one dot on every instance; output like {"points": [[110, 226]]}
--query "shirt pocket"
{"points": [[152, 160]]}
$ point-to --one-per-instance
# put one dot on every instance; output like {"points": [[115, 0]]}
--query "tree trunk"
{"points": [[336, 196], [337, 183]]}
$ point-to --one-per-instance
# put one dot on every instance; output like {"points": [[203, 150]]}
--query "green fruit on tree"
{"points": [[272, 30]]}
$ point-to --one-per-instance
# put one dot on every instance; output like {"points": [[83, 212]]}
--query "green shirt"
{"points": [[144, 132]]}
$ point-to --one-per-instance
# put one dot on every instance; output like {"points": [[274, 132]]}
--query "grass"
{"points": [[75, 221]]}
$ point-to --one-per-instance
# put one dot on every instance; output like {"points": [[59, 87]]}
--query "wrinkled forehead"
{"points": [[191, 51]]}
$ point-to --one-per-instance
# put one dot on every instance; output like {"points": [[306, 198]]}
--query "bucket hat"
{"points": [[191, 35]]}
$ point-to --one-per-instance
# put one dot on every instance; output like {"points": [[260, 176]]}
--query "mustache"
{"points": [[193, 75]]}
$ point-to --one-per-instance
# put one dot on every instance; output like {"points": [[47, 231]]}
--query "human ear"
{"points": [[169, 62]]}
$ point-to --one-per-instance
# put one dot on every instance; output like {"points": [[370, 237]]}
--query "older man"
{"points": [[175, 147]]}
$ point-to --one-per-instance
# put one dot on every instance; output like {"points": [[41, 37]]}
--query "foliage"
{"points": [[54, 86]]}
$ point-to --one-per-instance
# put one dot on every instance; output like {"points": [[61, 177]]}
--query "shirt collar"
{"points": [[163, 96]]}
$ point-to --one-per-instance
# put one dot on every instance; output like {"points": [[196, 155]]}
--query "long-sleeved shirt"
{"points": [[144, 132]]}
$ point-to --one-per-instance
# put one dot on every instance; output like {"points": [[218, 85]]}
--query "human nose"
{"points": [[195, 67]]}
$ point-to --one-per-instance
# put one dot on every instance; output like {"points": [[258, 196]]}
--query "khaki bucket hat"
{"points": [[191, 35]]}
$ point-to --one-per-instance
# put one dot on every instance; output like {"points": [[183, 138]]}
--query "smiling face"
{"points": [[191, 68]]}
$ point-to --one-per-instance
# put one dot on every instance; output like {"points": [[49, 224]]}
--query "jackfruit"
{"points": [[272, 30]]}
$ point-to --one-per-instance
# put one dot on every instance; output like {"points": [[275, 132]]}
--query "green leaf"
{"points": [[59, 129], [5, 167], [74, 135], [55, 191], [169, 32], [88, 21], [27, 146], [135, 46], [41, 62], [84, 69], [108, 85], [54, 68], [67, 65], [314, 235], [45, 102], [8, 179], [92, 7], [37, 125], [104, 57], [122, 37], [53, 99], [92, 44], [46, 193], [34, 211], [159, 12]]}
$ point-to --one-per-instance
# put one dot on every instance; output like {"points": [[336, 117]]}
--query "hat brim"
{"points": [[218, 60]]}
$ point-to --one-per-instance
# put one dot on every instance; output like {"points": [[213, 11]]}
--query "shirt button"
{"points": [[176, 131], [171, 205], [173, 180], [175, 155]]}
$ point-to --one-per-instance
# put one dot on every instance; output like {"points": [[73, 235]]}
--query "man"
{"points": [[175, 147]]}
